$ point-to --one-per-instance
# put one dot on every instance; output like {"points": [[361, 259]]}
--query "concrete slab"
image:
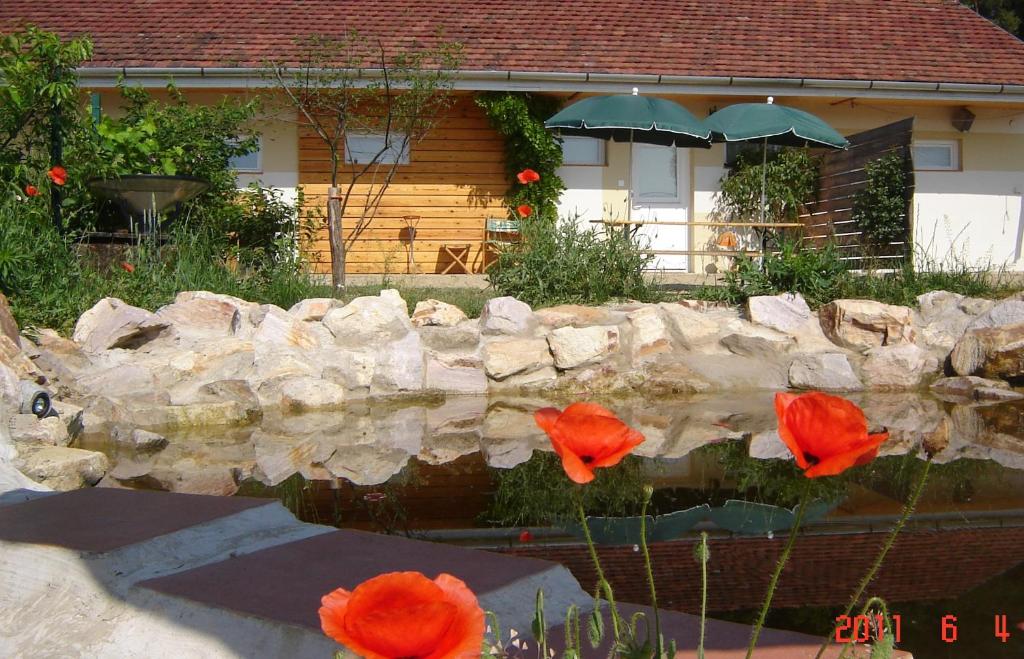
{"points": [[293, 577], [103, 519]]}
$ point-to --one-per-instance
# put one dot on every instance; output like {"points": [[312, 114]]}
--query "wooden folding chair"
{"points": [[459, 255], [499, 236]]}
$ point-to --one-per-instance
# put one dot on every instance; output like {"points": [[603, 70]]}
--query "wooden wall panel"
{"points": [[455, 180]]}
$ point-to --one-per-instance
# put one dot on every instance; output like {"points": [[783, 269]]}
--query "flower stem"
{"points": [[908, 510], [703, 590], [778, 570], [601, 581], [650, 575]]}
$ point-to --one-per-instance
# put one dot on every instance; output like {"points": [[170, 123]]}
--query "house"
{"points": [[858, 64]]}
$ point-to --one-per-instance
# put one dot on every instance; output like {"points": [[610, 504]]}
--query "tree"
{"points": [[1007, 14], [353, 86]]}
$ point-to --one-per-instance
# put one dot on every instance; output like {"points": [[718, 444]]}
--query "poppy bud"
{"points": [[31, 190]]}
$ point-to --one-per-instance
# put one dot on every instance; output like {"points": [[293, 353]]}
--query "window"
{"points": [[362, 149], [752, 152], [250, 162], [655, 175], [936, 155], [583, 151]]}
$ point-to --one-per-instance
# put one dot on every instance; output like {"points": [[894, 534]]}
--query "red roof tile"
{"points": [[898, 40]]}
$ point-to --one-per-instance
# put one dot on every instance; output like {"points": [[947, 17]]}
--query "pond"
{"points": [[477, 471]]}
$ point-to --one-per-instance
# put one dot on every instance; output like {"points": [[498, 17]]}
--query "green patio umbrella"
{"points": [[632, 118], [767, 123]]}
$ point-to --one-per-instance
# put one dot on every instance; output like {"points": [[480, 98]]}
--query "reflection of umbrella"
{"points": [[632, 118], [768, 123]]}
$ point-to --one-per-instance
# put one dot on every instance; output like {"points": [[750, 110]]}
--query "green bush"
{"points": [[566, 264], [880, 209], [789, 180]]}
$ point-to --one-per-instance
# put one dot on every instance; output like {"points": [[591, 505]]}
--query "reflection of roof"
{"points": [[823, 570], [891, 40]]}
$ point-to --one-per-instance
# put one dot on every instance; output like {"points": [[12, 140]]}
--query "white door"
{"points": [[661, 193]]}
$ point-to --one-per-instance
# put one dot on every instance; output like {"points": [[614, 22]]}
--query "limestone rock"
{"points": [[435, 313], [244, 308], [1007, 312], [369, 320], [506, 315], [464, 336], [945, 316], [454, 373], [506, 357], [738, 372], [352, 369], [576, 315], [12, 356], [138, 439], [112, 323], [865, 323], [825, 372], [8, 326], [969, 388], [29, 429], [277, 327], [314, 308], [991, 352], [198, 415], [664, 377], [898, 366], [692, 328], [366, 464], [10, 391], [746, 339], [574, 347], [202, 316], [648, 333], [399, 365], [542, 378], [783, 313], [63, 468], [310, 394], [128, 382]]}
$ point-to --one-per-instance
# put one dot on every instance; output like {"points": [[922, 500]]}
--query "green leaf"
{"points": [[595, 625]]}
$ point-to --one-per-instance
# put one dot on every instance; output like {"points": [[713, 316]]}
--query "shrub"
{"points": [[880, 209], [789, 180], [564, 264]]}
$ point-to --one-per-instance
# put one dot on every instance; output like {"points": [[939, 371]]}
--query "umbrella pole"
{"points": [[764, 181], [629, 187]]}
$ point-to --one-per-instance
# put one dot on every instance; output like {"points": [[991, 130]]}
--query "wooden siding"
{"points": [[841, 178], [455, 180]]}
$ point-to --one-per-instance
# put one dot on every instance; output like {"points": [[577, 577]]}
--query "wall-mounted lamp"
{"points": [[963, 119]]}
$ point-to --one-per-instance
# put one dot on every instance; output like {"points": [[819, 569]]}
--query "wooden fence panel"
{"points": [[842, 177]]}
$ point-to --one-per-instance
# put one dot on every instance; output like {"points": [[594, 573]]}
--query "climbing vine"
{"points": [[528, 145], [880, 208]]}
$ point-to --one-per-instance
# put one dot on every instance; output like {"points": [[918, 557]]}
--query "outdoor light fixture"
{"points": [[963, 119], [36, 400]]}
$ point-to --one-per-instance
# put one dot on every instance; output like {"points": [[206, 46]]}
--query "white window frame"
{"points": [[954, 155], [386, 158], [602, 153], [258, 168]]}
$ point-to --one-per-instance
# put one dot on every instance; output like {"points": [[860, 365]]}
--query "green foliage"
{"points": [[817, 274], [1007, 14], [537, 492], [563, 263], [790, 177], [880, 209], [520, 118]]}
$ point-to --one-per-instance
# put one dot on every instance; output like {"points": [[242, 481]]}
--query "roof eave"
{"points": [[557, 81]]}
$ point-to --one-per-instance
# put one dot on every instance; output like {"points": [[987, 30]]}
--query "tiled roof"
{"points": [[893, 40]]}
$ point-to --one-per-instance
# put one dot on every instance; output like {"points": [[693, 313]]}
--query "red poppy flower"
{"points": [[127, 267], [58, 175], [405, 614], [528, 176], [525, 536], [525, 210], [826, 434], [587, 436], [31, 190]]}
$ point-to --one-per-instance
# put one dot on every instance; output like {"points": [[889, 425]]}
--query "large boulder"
{"points": [[830, 371], [506, 315], [314, 308], [311, 394], [435, 313], [991, 352], [202, 316], [784, 313], [464, 336], [574, 347], [860, 324], [743, 338], [944, 316], [1007, 312], [691, 328], [112, 323], [968, 388], [507, 357], [277, 327], [27, 429], [63, 468], [369, 321], [648, 333], [8, 326], [577, 315], [901, 366], [399, 365], [455, 373]]}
